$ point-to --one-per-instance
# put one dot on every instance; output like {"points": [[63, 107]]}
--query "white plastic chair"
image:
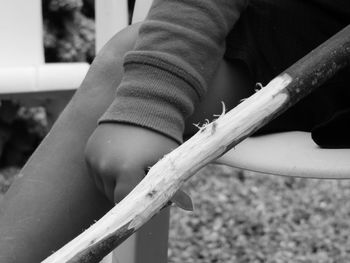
{"points": [[289, 154], [24, 75]]}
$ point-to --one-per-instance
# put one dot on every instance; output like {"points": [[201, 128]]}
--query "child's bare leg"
{"points": [[230, 84], [55, 199]]}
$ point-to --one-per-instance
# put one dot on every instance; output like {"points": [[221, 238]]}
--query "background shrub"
{"points": [[69, 30]]}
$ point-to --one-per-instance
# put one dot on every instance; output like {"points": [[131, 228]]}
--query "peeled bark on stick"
{"points": [[211, 141]]}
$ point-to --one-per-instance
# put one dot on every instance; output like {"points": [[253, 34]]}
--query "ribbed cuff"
{"points": [[154, 96]]}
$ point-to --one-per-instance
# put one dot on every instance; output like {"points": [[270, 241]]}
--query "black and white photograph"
{"points": [[174, 131]]}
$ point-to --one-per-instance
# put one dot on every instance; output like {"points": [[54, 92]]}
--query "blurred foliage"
{"points": [[248, 217], [21, 130], [68, 36], [69, 30]]}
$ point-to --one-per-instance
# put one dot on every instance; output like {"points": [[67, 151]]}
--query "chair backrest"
{"points": [[112, 16], [21, 33]]}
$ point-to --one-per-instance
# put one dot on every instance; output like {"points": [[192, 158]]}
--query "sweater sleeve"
{"points": [[179, 47]]}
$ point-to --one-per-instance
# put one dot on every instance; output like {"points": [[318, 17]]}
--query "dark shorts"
{"points": [[272, 35]]}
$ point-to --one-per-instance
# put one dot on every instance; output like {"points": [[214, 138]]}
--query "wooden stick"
{"points": [[211, 141]]}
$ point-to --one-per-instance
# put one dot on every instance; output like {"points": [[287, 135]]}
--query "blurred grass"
{"points": [[251, 217]]}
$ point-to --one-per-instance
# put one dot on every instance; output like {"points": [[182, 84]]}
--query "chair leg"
{"points": [[149, 244]]}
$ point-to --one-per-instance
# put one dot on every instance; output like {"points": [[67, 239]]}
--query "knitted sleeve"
{"points": [[179, 47]]}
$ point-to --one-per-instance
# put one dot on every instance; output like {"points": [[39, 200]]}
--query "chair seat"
{"points": [[289, 154]]}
